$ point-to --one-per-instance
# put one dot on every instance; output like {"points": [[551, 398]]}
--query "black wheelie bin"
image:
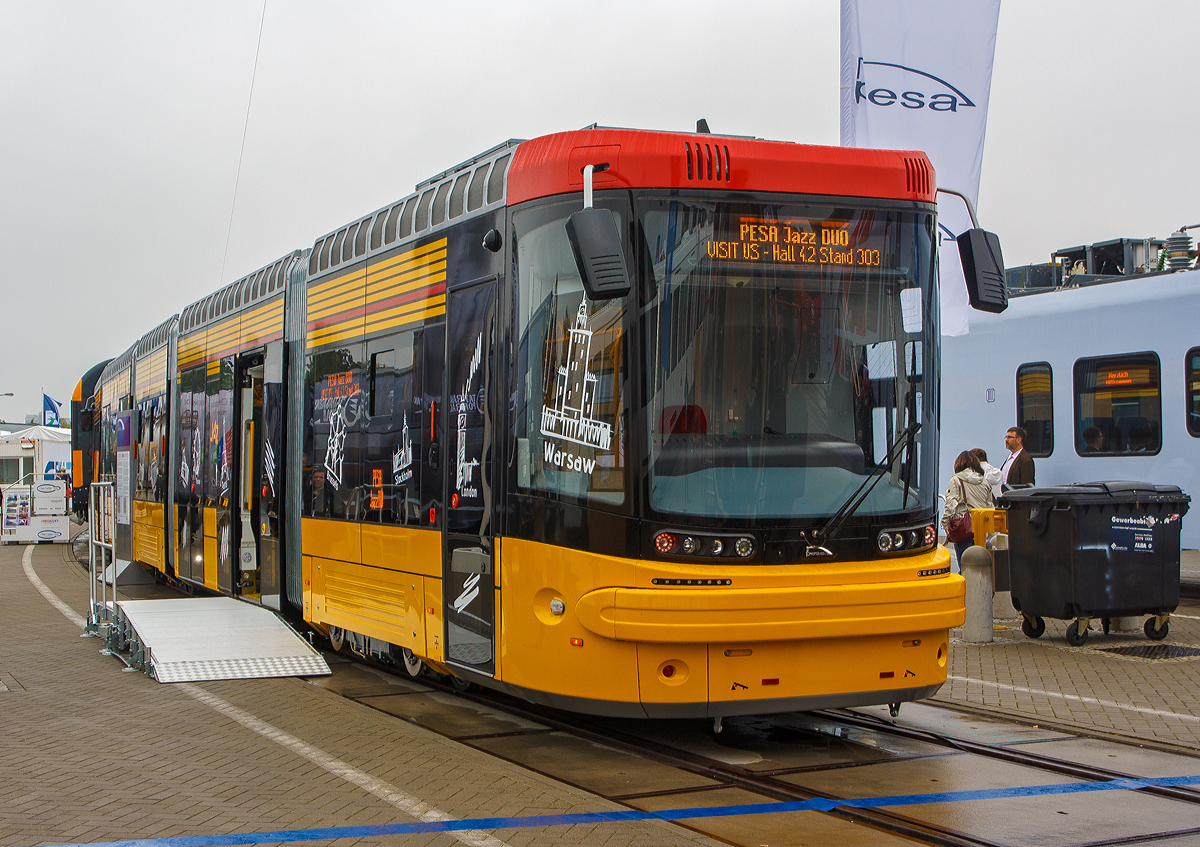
{"points": [[1094, 550]]}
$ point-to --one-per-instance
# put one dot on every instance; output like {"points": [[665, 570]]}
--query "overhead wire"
{"points": [[242, 152]]}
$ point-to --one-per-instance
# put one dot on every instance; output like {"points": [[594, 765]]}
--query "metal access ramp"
{"points": [[202, 638]]}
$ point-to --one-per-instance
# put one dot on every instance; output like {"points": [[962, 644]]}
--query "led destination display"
{"points": [[794, 242]]}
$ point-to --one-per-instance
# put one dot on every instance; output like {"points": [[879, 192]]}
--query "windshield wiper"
{"points": [[903, 441]]}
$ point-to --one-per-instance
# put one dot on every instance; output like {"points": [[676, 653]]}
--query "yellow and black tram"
{"points": [[625, 422]]}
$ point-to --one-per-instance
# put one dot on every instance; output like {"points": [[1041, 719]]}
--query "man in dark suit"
{"points": [[1018, 467]]}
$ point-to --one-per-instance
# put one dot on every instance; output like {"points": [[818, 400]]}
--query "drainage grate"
{"points": [[1155, 651]]}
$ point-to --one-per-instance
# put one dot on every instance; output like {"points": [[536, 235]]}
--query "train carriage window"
{"points": [[571, 370], [439, 203], [360, 238], [389, 230], [1035, 407], [337, 413], [1191, 375], [423, 210], [348, 246], [393, 435], [406, 219], [456, 198], [1118, 405], [478, 186], [496, 181]]}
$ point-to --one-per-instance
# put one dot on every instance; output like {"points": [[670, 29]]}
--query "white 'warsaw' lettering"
{"points": [[567, 461]]}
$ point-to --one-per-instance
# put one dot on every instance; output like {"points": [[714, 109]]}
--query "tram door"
{"points": [[468, 569], [247, 475]]}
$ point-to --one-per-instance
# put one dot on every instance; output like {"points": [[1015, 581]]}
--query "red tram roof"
{"points": [[553, 164]]}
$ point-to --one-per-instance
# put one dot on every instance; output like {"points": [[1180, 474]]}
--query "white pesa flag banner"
{"points": [[916, 75]]}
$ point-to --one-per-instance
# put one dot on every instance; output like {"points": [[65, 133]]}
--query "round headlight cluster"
{"points": [[893, 540], [667, 542]]}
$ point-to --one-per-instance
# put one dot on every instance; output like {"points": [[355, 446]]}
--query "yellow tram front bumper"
{"points": [[781, 638]]}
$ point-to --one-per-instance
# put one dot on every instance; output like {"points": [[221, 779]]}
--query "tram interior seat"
{"points": [[1135, 434], [1128, 434]]}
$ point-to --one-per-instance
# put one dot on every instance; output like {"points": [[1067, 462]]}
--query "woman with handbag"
{"points": [[967, 490]]}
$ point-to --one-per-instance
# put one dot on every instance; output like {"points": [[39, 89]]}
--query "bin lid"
{"points": [[1084, 493]]}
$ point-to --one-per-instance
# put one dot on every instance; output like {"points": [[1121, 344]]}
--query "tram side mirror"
{"points": [[87, 415], [596, 242], [983, 267]]}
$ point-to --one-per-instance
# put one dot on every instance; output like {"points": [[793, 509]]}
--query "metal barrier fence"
{"points": [[102, 532]]}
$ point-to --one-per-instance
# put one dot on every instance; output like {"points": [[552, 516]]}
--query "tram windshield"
{"points": [[787, 348]]}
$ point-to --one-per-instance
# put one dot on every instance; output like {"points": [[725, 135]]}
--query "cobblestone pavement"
{"points": [[1155, 700], [88, 753]]}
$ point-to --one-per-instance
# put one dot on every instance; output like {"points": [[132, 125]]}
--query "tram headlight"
{"points": [[744, 547], [665, 542], [716, 547], [690, 545], [907, 538]]}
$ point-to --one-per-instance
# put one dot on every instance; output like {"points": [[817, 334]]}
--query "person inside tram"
{"points": [[1093, 438], [967, 490]]}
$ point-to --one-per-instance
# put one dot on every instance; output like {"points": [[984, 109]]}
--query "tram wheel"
{"points": [[1033, 627], [894, 709], [412, 662], [337, 638], [1076, 633], [1156, 634]]}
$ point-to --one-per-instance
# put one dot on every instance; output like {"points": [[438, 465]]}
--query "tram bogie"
{"points": [[645, 472]]}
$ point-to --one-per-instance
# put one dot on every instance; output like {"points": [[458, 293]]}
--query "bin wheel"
{"points": [[894, 709], [337, 638], [1033, 627], [1156, 634], [1076, 633], [1106, 623]]}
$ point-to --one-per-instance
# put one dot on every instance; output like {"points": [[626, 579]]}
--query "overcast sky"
{"points": [[121, 125]]}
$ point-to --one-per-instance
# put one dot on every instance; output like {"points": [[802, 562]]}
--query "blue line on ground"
{"points": [[287, 836]]}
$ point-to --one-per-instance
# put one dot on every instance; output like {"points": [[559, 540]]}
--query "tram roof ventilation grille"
{"points": [[156, 337], [916, 174], [707, 162], [263, 283], [463, 190]]}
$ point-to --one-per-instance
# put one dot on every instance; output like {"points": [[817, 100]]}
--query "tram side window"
{"points": [[1191, 370], [1118, 405], [219, 413], [192, 431], [151, 482], [1035, 407], [393, 435], [571, 370], [333, 470]]}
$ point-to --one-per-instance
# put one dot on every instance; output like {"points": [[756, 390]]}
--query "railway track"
{"points": [[845, 726]]}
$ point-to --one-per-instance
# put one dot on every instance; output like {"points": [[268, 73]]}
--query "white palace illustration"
{"points": [[575, 393]]}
